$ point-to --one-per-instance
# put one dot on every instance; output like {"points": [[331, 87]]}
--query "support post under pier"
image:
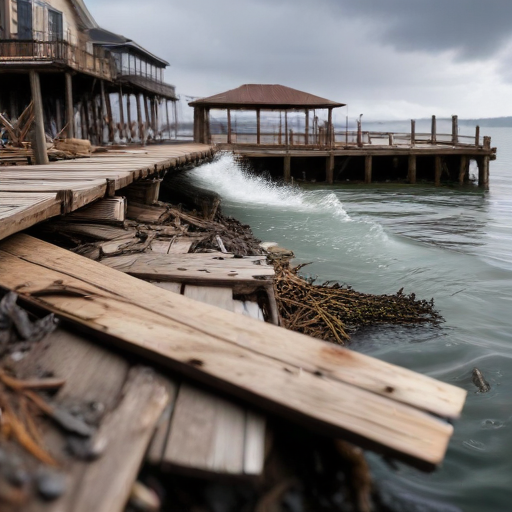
{"points": [[437, 171], [329, 170], [368, 160], [287, 168], [412, 170], [463, 169], [483, 171], [40, 152]]}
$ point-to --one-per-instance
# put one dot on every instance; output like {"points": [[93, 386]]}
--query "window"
{"points": [[24, 19], [55, 32]]}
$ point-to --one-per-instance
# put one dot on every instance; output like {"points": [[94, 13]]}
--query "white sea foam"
{"points": [[236, 185]]}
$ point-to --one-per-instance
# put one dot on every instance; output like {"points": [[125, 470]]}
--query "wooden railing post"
{"points": [[258, 129], [433, 137], [306, 129], [413, 132], [455, 130], [477, 136], [229, 126]]}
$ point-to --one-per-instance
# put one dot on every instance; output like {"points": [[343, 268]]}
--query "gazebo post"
{"points": [[286, 127], [329, 129], [306, 131], [258, 134], [207, 134], [229, 126]]}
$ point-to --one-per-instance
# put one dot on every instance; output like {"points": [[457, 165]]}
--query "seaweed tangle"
{"points": [[331, 311]]}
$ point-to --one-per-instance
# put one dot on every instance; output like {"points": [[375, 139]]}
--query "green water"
{"points": [[453, 244]]}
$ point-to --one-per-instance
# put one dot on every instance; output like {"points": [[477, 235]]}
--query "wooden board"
{"points": [[216, 296], [180, 245], [199, 268], [267, 372], [19, 211], [336, 362]]}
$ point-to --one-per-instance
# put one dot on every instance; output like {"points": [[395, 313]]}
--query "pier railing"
{"points": [[14, 52]]}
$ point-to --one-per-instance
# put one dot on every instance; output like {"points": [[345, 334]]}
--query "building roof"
{"points": [[84, 14], [265, 96], [112, 41]]}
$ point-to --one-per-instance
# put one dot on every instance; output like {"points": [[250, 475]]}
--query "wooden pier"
{"points": [[33, 193], [317, 151]]}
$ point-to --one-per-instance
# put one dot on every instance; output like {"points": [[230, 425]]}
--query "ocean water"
{"points": [[450, 243]]}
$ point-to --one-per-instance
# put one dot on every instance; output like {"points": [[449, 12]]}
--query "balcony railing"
{"points": [[16, 52]]}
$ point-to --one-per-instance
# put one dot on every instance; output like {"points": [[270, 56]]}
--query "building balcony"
{"points": [[19, 55], [149, 84]]}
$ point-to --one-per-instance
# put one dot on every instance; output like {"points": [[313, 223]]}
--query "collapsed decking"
{"points": [[343, 155]]}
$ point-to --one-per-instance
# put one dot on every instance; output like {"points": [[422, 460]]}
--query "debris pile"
{"points": [[331, 311]]}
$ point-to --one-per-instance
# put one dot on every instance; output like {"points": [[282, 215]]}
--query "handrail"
{"points": [[98, 63]]}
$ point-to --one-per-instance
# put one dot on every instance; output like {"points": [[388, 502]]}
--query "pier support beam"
{"points": [[411, 176], [69, 107], [287, 168], [121, 114], [139, 119], [329, 169], [39, 141], [368, 161], [483, 171], [437, 171], [111, 131], [433, 137], [129, 117], [477, 136], [463, 170]]}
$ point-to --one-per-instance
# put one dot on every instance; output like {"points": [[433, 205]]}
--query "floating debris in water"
{"points": [[330, 311], [480, 382]]}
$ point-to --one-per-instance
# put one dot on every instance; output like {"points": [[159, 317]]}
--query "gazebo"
{"points": [[258, 98]]}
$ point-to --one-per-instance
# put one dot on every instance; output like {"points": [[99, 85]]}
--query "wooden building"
{"points": [[76, 69]]}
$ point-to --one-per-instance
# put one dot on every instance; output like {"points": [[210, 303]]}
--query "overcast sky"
{"points": [[386, 59]]}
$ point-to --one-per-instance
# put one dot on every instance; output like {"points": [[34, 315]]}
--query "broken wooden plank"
{"points": [[147, 214], [91, 231], [207, 433], [214, 295], [266, 374], [106, 483], [110, 210], [181, 245], [199, 268], [171, 287], [254, 449], [334, 362]]}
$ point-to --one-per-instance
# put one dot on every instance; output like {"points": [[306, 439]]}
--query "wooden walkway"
{"points": [[32, 193]]}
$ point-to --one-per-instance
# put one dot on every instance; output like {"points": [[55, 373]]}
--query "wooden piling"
{"points": [[287, 168], [411, 176], [139, 119], [129, 117], [121, 114], [39, 140], [483, 171], [437, 170], [455, 130], [477, 136], [329, 171], [433, 137], [93, 106], [413, 132], [359, 134], [390, 137], [146, 113], [175, 108], [258, 127], [368, 169], [103, 111], [110, 118], [167, 118], [69, 107], [330, 134], [463, 169]]}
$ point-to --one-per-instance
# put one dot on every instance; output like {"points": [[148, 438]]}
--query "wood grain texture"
{"points": [[216, 296], [332, 361], [256, 367]]}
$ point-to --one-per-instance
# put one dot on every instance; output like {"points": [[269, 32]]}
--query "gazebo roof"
{"points": [[250, 96]]}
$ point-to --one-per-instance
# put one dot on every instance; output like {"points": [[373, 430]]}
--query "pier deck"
{"points": [[33, 193]]}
